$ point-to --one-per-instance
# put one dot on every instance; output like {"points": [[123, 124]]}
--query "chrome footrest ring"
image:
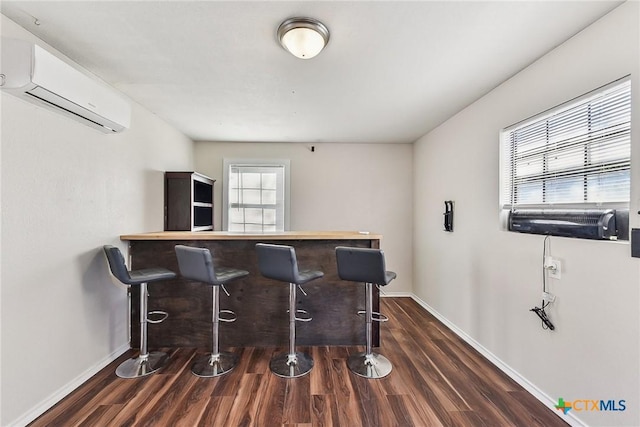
{"points": [[379, 317], [375, 316], [163, 316], [303, 319], [230, 319]]}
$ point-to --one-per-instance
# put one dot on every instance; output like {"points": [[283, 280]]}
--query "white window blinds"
{"points": [[255, 197], [577, 154]]}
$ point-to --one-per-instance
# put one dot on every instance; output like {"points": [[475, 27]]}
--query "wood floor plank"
{"points": [[101, 416], [475, 392], [434, 406], [434, 384], [324, 411], [479, 393], [118, 391], [531, 410], [420, 414], [470, 418], [153, 408], [372, 401], [165, 408], [179, 361], [297, 400], [349, 409], [320, 375], [189, 410], [58, 415], [471, 358], [338, 352], [217, 411], [137, 406], [227, 385], [400, 411], [243, 410], [258, 360], [270, 408], [437, 380]]}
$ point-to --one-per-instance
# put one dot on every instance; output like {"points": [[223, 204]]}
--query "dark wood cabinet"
{"points": [[188, 201]]}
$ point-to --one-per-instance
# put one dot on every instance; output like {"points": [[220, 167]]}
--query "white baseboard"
{"points": [[514, 375], [395, 294], [65, 390]]}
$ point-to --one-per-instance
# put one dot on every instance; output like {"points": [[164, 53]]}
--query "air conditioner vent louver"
{"points": [[586, 224]]}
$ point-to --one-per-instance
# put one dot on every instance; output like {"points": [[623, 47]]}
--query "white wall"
{"points": [[66, 191], [485, 280], [337, 187]]}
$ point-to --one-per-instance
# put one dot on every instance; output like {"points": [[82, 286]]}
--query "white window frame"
{"points": [[507, 187], [284, 163]]}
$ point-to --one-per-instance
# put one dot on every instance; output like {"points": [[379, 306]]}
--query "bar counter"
{"points": [[260, 304]]}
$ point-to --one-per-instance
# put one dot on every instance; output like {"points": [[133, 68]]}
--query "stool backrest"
{"points": [[278, 262], [117, 264], [361, 265], [196, 264]]}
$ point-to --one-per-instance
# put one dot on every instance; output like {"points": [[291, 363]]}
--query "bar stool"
{"points": [[146, 363], [197, 264], [279, 262], [366, 265]]}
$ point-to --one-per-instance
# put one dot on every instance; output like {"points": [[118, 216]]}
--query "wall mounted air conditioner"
{"points": [[32, 73], [586, 224]]}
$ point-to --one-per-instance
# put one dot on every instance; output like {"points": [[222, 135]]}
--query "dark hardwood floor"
{"points": [[437, 380]]}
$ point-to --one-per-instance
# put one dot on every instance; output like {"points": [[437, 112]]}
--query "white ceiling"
{"points": [[391, 72]]}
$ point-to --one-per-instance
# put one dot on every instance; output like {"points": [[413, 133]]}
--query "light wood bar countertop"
{"points": [[226, 235]]}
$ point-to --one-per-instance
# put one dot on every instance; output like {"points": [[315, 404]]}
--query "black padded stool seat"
{"points": [[279, 262], [197, 264], [368, 266], [146, 363]]}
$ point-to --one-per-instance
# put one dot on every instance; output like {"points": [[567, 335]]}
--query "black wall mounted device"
{"points": [[448, 215]]}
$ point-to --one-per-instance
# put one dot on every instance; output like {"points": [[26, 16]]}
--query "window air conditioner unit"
{"points": [[33, 74], [586, 224]]}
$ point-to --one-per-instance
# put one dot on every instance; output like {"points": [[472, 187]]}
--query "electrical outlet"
{"points": [[554, 267], [548, 297]]}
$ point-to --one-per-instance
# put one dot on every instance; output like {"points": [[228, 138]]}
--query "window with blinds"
{"points": [[255, 196], [576, 155]]}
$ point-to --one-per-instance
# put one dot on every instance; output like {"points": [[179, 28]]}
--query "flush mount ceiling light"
{"points": [[303, 37]]}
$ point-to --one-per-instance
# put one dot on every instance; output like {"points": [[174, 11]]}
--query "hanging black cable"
{"points": [[540, 311]]}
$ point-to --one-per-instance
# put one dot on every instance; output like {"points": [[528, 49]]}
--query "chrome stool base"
{"points": [[212, 366], [283, 366], [140, 367], [369, 365]]}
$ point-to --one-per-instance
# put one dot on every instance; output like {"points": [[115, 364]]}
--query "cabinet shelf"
{"points": [[202, 205], [203, 228], [188, 202]]}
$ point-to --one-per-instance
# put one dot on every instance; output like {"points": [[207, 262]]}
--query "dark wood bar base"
{"points": [[260, 304]]}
